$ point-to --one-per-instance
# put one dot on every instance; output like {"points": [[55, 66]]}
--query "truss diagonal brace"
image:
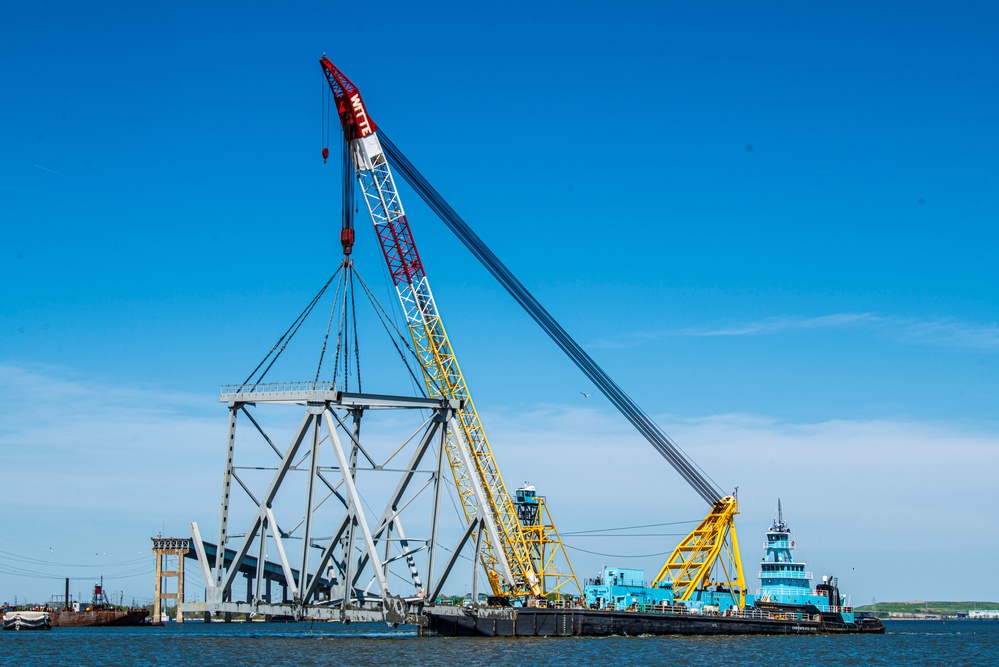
{"points": [[355, 501], [265, 503]]}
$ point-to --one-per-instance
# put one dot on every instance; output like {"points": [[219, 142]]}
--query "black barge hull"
{"points": [[529, 622]]}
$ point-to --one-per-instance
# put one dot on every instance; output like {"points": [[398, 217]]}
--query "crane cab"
{"points": [[528, 502]]}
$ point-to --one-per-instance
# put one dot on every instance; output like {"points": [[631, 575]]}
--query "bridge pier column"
{"points": [[164, 547]]}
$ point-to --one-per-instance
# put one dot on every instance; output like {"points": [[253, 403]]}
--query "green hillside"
{"points": [[928, 607]]}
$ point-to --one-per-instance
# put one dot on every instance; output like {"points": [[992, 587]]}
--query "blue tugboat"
{"points": [[786, 587]]}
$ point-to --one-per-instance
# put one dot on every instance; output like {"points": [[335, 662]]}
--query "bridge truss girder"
{"points": [[351, 563]]}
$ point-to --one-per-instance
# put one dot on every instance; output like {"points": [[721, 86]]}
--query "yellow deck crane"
{"points": [[519, 559]]}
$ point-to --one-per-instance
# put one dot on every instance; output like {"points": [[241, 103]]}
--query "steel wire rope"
{"points": [[34, 574], [345, 331], [128, 574], [385, 321], [596, 553], [339, 331], [491, 263], [348, 210], [698, 480], [38, 561], [73, 574], [324, 118], [347, 200], [29, 574], [322, 352], [357, 344], [637, 535], [47, 547], [647, 525], [389, 286], [289, 333]]}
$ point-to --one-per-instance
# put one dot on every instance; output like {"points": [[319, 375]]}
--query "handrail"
{"points": [[272, 387]]}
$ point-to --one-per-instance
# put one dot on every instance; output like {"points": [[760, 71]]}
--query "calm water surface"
{"points": [[197, 644]]}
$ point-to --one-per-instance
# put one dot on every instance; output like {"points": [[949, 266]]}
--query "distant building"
{"points": [[983, 613]]}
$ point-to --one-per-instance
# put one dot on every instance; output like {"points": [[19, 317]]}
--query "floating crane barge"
{"points": [[700, 590], [619, 603]]}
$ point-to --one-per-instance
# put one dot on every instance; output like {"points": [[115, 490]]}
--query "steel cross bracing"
{"points": [[350, 563]]}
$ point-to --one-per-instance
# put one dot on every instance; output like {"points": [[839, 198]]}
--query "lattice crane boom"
{"points": [[441, 373], [709, 556]]}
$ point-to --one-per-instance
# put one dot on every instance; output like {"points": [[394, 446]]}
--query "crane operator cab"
{"points": [[527, 502]]}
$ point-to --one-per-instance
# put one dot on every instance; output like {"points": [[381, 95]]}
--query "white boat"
{"points": [[27, 620]]}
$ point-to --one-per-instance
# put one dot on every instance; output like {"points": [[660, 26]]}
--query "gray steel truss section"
{"points": [[267, 500], [392, 509], [216, 589], [349, 546], [302, 393], [199, 549], [455, 553], [355, 507]]}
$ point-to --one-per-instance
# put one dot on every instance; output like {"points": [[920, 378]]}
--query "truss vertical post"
{"points": [[224, 510], [261, 557], [475, 573], [268, 498], [303, 583], [436, 509]]}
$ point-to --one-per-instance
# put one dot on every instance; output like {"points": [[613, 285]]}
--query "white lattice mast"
{"points": [[508, 555]]}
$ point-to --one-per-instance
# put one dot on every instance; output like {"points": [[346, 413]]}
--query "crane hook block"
{"points": [[326, 154], [347, 240]]}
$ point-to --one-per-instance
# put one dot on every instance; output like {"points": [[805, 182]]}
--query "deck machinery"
{"points": [[707, 557]]}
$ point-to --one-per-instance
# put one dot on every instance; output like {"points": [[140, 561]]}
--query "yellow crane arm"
{"points": [[708, 556]]}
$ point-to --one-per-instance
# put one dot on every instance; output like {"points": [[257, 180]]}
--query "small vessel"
{"points": [[27, 620], [786, 587], [99, 613]]}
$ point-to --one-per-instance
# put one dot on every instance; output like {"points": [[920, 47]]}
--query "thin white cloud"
{"points": [[859, 493], [51, 171], [944, 332], [92, 466], [95, 468], [774, 325]]}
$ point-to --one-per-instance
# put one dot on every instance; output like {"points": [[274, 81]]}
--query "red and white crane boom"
{"points": [[506, 555]]}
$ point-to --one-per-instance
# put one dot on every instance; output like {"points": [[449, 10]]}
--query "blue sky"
{"points": [[773, 225]]}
